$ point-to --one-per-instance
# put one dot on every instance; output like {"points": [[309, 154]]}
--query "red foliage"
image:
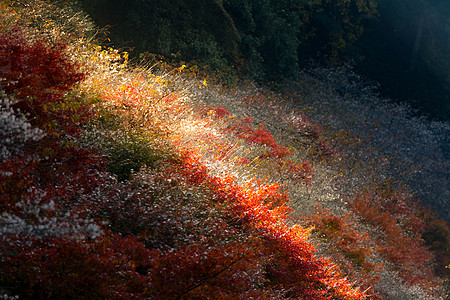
{"points": [[34, 69], [350, 248], [259, 136], [209, 269], [216, 112], [302, 172], [244, 130], [39, 75], [293, 267], [57, 268], [437, 238], [61, 170], [397, 216]]}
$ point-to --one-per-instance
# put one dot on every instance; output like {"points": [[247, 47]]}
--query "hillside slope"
{"points": [[128, 181]]}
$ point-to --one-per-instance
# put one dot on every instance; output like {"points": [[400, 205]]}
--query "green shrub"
{"points": [[130, 154]]}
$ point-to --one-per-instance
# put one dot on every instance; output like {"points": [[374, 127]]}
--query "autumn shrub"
{"points": [[393, 213], [293, 268], [259, 136], [437, 237], [46, 200], [34, 69], [51, 245], [38, 76], [67, 268], [349, 246]]}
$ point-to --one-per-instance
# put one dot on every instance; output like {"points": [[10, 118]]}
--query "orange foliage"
{"points": [[396, 214], [293, 266], [348, 246]]}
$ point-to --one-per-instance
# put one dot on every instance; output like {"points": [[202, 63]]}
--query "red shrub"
{"points": [[292, 267], [348, 247], [209, 268], [63, 171], [437, 237], [244, 130], [302, 172], [397, 216], [38, 75], [217, 113], [58, 268]]}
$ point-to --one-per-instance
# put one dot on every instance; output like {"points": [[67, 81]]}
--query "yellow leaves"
{"points": [[125, 57], [204, 84], [309, 230]]}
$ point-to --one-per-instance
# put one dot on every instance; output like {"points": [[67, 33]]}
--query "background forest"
{"points": [[222, 150], [402, 45]]}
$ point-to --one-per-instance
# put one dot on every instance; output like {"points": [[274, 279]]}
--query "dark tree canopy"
{"points": [[268, 37], [407, 50], [403, 45], [199, 30]]}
